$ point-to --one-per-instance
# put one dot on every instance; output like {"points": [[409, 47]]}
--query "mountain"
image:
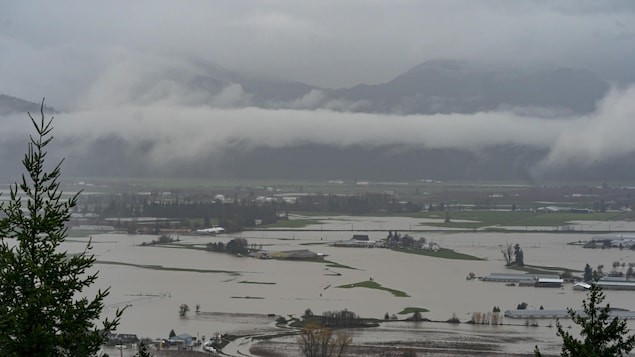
{"points": [[439, 86], [444, 86], [13, 105], [432, 87], [209, 85]]}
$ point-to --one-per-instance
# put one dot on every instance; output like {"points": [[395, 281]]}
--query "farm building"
{"points": [[549, 283], [608, 284], [523, 279], [358, 241]]}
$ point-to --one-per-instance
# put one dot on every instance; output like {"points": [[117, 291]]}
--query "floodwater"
{"points": [[231, 300]]}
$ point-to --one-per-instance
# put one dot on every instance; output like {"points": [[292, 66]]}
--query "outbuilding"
{"points": [[549, 283], [183, 339]]}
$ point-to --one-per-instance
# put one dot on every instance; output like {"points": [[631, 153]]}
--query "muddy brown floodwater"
{"points": [[241, 295]]}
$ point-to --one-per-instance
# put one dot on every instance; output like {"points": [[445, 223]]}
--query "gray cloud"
{"points": [[57, 49], [599, 136], [104, 64], [181, 132]]}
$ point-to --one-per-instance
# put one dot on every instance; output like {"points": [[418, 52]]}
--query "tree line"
{"points": [[235, 246]]}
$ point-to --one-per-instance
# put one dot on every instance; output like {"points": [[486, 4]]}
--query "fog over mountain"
{"points": [[449, 90]]}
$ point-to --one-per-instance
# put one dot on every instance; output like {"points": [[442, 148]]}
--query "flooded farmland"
{"points": [[241, 295]]}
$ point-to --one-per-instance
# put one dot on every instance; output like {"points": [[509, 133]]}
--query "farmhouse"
{"points": [[121, 339], [358, 241]]}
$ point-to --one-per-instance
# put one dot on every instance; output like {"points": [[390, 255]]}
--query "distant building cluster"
{"points": [[394, 240], [358, 241], [617, 240], [537, 280]]}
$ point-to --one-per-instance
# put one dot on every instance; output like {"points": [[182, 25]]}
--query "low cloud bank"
{"points": [[175, 132]]}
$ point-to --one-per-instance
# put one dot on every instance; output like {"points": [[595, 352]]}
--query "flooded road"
{"points": [[241, 295]]}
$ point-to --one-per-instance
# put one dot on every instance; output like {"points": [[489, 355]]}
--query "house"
{"points": [[358, 240], [183, 339], [121, 339], [431, 246]]}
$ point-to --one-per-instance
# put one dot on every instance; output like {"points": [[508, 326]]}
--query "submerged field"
{"points": [[462, 220], [153, 281], [470, 222]]}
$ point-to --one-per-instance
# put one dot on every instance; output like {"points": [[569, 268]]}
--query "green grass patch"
{"points": [[441, 253], [177, 246], [332, 264], [316, 320], [412, 310], [328, 263], [161, 267], [256, 282], [548, 268], [536, 269], [374, 285]]}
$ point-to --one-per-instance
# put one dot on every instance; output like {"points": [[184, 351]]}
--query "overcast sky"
{"points": [[82, 56], [59, 47]]}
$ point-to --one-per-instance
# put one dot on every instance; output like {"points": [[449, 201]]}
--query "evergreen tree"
{"points": [[588, 273], [142, 350], [602, 336], [519, 256], [42, 309], [183, 310]]}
